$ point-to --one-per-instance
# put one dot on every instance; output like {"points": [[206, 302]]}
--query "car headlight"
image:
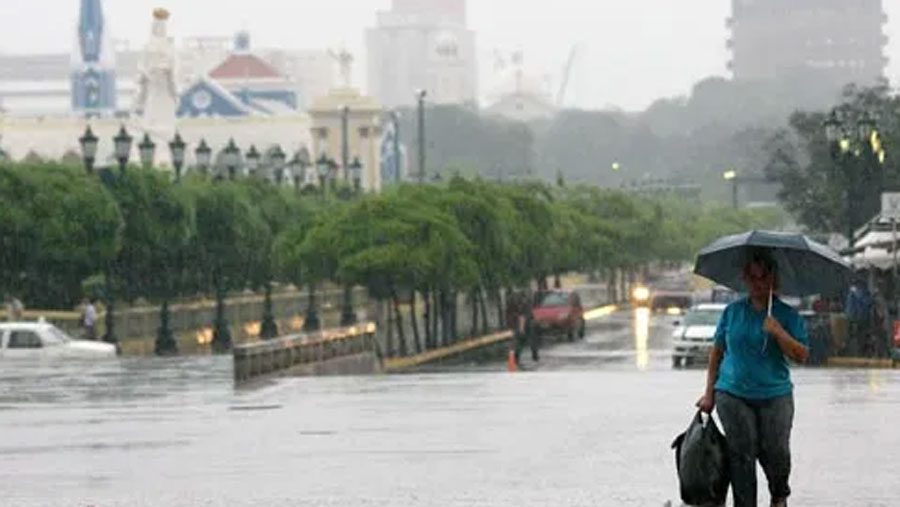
{"points": [[641, 293]]}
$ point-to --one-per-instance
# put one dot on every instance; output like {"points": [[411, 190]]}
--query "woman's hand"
{"points": [[707, 402], [773, 327]]}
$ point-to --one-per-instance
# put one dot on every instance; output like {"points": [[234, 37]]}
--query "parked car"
{"points": [[23, 340], [559, 311], [693, 337]]}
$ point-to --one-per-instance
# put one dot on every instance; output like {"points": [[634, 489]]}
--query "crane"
{"points": [[566, 74]]}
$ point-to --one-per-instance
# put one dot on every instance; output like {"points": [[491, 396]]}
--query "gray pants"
{"points": [[757, 429]]}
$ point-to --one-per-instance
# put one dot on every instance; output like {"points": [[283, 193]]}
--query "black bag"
{"points": [[701, 458]]}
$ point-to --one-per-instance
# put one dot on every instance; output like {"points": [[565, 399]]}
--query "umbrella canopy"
{"points": [[805, 267]]}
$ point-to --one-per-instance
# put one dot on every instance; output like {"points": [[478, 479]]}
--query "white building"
{"points": [[422, 45]]}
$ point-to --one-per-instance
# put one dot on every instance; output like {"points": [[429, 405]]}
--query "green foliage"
{"points": [[60, 227], [814, 187]]}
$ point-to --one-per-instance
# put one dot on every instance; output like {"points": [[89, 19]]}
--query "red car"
{"points": [[559, 311]]}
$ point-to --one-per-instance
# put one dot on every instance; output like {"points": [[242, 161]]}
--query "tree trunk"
{"points": [[426, 299], [556, 281], [401, 336], [445, 319], [473, 299], [417, 341], [485, 321], [390, 329], [454, 305], [498, 300], [435, 321]]}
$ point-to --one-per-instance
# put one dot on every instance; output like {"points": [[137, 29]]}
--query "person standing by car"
{"points": [[749, 382], [89, 319], [15, 310]]}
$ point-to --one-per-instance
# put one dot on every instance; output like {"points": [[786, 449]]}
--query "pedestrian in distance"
{"points": [[15, 310], [89, 319], [748, 381]]}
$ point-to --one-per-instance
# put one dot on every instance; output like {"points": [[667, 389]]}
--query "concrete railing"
{"points": [[306, 353]]}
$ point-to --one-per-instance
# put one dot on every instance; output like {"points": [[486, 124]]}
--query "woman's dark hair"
{"points": [[761, 257]]}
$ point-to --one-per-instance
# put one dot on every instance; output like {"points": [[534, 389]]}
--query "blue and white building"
{"points": [[93, 75]]}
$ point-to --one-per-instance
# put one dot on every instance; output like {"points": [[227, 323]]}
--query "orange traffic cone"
{"points": [[511, 364]]}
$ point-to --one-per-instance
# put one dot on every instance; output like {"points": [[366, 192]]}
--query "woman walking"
{"points": [[749, 382]]}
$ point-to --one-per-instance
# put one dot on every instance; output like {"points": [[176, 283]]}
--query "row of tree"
{"points": [[138, 234]]}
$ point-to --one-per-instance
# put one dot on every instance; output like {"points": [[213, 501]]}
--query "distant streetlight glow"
{"points": [[730, 175], [616, 166]]}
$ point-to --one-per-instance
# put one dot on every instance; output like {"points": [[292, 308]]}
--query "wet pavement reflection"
{"points": [[589, 426]]}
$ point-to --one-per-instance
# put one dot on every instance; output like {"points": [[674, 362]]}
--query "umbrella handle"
{"points": [[770, 301]]}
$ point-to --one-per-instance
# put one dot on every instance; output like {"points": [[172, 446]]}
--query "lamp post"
{"points": [[356, 173], [177, 148], [420, 98], [203, 154], [122, 145], [147, 151], [299, 165], [345, 140], [854, 147], [277, 157], [731, 175], [323, 167], [88, 143], [232, 158], [252, 157]]}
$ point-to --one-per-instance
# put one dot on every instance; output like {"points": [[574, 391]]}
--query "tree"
{"points": [[813, 187], [58, 227]]}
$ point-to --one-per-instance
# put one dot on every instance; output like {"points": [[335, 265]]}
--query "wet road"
{"points": [[590, 426]]}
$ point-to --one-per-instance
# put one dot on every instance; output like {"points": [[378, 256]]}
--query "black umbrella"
{"points": [[805, 267]]}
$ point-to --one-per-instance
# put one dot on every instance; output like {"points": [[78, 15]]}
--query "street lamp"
{"points": [[356, 173], [345, 148], [420, 98], [855, 149], [323, 167], [298, 166], [731, 175], [203, 154], [616, 166], [231, 158], [177, 147], [252, 157], [88, 143], [122, 145], [147, 150], [277, 157]]}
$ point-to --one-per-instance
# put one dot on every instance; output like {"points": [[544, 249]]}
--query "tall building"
{"points": [[93, 63], [817, 45], [422, 44]]}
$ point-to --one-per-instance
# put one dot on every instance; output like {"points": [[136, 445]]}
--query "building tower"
{"points": [[422, 45], [810, 47], [93, 64]]}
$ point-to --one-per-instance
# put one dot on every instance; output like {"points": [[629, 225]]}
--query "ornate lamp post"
{"points": [[278, 157], [88, 143], [420, 99], [232, 159], [299, 165], [252, 157], [323, 167], [177, 148], [856, 150], [122, 145], [356, 173], [731, 175], [147, 151], [203, 154]]}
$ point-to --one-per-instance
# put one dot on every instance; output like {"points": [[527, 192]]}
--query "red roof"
{"points": [[242, 67]]}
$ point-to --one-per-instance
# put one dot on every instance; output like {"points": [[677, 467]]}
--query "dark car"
{"points": [[559, 311], [671, 300]]}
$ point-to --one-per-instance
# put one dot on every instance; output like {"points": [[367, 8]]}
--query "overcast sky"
{"points": [[633, 51]]}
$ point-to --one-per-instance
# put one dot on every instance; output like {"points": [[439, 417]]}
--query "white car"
{"points": [[44, 340], [693, 336]]}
